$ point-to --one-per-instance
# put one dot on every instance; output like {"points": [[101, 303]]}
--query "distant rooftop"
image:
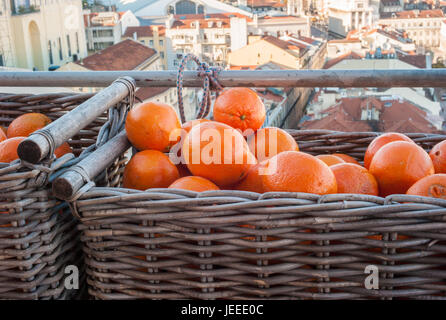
{"points": [[413, 14], [125, 55]]}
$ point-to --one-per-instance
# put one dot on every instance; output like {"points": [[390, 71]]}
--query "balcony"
{"points": [[21, 10]]}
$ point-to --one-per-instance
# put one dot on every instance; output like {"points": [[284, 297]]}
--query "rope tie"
{"points": [[210, 83], [50, 139]]}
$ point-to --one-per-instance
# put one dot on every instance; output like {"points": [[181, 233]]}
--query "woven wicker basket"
{"points": [[38, 234], [174, 244]]}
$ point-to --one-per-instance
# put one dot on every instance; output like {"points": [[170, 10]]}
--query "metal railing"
{"points": [[235, 78]]}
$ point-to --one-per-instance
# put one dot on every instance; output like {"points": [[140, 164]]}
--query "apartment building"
{"points": [[152, 36], [40, 34], [423, 27], [104, 29], [344, 16]]}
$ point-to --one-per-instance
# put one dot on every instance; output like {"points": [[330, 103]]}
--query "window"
{"points": [[161, 43], [77, 43], [69, 45], [143, 41], [162, 54], [60, 48], [1, 60], [151, 43], [50, 52]]}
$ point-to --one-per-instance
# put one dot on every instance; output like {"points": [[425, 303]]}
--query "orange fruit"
{"points": [[253, 181], [346, 158], [64, 148], [298, 172], [430, 186], [8, 149], [352, 178], [193, 183], [240, 108], [26, 124], [398, 165], [192, 123], [2, 136], [267, 142], [5, 130], [149, 169], [153, 125], [217, 152], [438, 157], [380, 141], [330, 159]]}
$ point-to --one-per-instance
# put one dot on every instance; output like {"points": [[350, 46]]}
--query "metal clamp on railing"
{"points": [[42, 143], [72, 180]]}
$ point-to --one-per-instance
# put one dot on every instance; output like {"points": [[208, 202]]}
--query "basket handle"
{"points": [[67, 185], [43, 142]]}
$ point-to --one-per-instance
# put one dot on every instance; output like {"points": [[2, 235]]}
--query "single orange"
{"points": [[2, 136], [398, 165], [267, 142], [194, 183], [153, 126], [217, 152], [352, 178], [430, 186], [26, 124], [294, 171], [149, 169], [240, 108], [380, 141], [330, 159], [64, 148], [346, 158], [8, 149], [438, 157], [253, 181]]}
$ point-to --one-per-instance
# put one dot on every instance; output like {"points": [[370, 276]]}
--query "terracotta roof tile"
{"points": [[348, 55], [144, 31], [418, 60], [413, 14], [395, 115], [125, 55]]}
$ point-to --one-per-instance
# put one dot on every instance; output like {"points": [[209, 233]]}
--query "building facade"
{"points": [[153, 37], [344, 16], [104, 29], [423, 27], [41, 34]]}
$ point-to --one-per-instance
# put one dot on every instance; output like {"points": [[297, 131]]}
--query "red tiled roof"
{"points": [[417, 60], [144, 31], [399, 116], [266, 3], [286, 45], [186, 21], [335, 61], [125, 55], [150, 92]]}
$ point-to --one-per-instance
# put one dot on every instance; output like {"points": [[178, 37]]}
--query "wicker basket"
{"points": [[176, 244], [38, 234]]}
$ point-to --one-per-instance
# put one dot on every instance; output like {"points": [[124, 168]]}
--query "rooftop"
{"points": [[125, 55], [144, 31], [394, 115], [413, 14]]}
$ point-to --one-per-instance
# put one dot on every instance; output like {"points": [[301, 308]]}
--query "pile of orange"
{"points": [[234, 152], [20, 128]]}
